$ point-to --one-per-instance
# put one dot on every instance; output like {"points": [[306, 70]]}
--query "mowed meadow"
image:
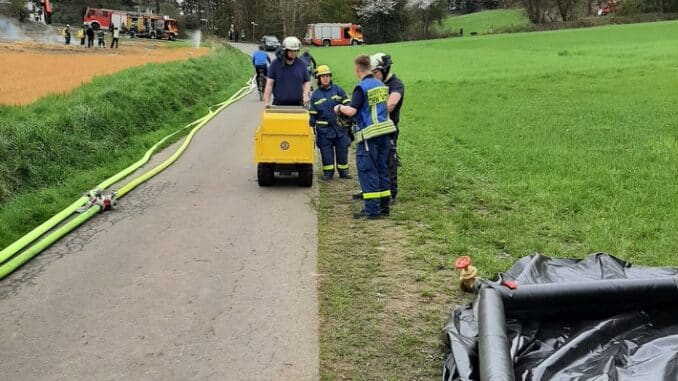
{"points": [[563, 143]]}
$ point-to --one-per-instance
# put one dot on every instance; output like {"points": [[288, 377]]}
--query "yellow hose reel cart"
{"points": [[284, 144]]}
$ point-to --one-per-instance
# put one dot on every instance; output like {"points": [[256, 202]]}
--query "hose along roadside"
{"points": [[10, 260]]}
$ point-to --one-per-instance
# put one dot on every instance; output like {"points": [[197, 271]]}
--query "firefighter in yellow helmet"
{"points": [[331, 138]]}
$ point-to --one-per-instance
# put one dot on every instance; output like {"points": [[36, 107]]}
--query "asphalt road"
{"points": [[198, 275]]}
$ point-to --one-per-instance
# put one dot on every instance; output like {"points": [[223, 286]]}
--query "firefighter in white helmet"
{"points": [[288, 77], [381, 68]]}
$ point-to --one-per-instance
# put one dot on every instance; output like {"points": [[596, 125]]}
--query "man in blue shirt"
{"points": [[288, 77], [373, 141], [260, 61]]}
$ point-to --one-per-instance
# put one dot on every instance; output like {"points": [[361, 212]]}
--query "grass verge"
{"points": [[381, 305], [559, 142], [487, 22], [56, 148]]}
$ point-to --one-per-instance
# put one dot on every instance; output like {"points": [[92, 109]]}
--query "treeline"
{"points": [[73, 11], [382, 20], [553, 11], [546, 11]]}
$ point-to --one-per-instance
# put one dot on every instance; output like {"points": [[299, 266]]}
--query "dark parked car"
{"points": [[270, 43]]}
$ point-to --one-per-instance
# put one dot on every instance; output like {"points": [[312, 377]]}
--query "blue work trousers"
{"points": [[373, 173], [331, 150]]}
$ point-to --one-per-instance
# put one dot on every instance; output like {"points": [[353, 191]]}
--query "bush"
{"points": [[632, 7]]}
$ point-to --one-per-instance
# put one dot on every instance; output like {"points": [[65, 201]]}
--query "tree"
{"points": [[427, 13], [536, 10], [372, 8], [382, 20], [72, 12], [17, 9], [337, 11], [566, 8]]}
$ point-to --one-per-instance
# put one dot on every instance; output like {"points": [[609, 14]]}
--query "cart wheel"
{"points": [[265, 174], [305, 175]]}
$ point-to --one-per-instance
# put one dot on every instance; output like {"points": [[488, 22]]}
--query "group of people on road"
{"points": [[369, 117], [234, 35], [87, 33]]}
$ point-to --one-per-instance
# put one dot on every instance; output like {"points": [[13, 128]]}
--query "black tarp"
{"points": [[600, 337]]}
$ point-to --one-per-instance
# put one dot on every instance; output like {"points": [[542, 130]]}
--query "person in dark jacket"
{"points": [[331, 138], [381, 68], [67, 34], [308, 60], [100, 37], [90, 36]]}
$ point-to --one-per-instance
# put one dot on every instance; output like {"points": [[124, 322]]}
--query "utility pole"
{"points": [[253, 35]]}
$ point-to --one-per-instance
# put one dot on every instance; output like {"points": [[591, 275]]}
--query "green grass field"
{"points": [[486, 22], [61, 146], [563, 142]]}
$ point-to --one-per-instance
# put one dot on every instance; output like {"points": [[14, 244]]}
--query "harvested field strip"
{"points": [[29, 74]]}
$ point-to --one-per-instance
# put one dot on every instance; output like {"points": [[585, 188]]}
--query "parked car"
{"points": [[270, 42]]}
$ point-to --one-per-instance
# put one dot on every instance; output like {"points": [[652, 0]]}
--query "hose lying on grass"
{"points": [[10, 261]]}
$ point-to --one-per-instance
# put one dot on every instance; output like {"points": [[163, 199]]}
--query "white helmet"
{"points": [[291, 43], [381, 61]]}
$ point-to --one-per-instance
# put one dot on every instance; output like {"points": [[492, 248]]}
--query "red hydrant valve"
{"points": [[462, 262]]}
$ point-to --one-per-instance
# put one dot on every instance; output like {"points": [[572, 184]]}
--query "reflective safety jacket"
{"points": [[372, 119], [322, 113]]}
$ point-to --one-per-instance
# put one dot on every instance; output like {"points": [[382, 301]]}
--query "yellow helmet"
{"points": [[322, 70]]}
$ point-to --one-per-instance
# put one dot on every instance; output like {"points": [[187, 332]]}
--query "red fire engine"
{"points": [[327, 34], [102, 18], [134, 23]]}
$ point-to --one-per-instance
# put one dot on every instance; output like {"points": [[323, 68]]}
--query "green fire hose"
{"points": [[10, 261]]}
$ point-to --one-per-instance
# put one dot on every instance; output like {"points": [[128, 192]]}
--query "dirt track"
{"points": [[32, 70], [198, 275]]}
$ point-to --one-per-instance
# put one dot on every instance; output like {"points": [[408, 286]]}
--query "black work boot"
{"points": [[363, 215], [327, 176], [345, 175], [385, 203]]}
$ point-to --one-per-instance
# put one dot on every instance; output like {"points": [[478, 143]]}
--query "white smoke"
{"points": [[50, 36], [10, 30], [195, 36]]}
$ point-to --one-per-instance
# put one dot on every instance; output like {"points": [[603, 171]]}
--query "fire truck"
{"points": [[330, 34], [612, 6], [136, 24], [39, 11]]}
